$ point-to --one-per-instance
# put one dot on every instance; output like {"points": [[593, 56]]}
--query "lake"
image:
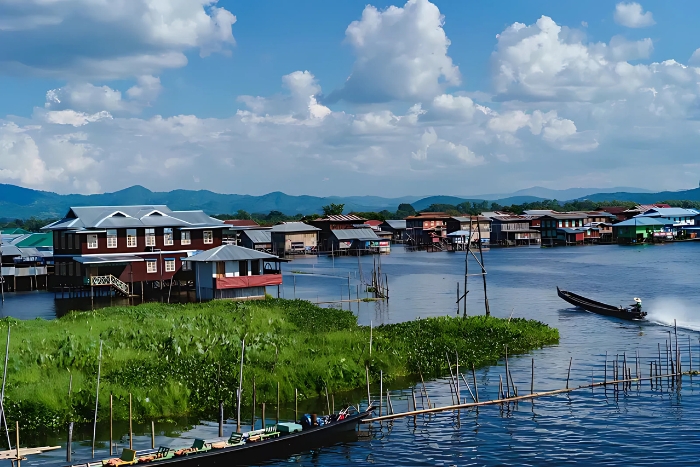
{"points": [[634, 427]]}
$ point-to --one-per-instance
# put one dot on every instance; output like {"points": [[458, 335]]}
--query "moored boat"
{"points": [[633, 312], [271, 442]]}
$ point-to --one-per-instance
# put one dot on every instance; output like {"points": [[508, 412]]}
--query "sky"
{"points": [[349, 98]]}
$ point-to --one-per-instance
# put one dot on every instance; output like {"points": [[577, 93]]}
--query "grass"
{"points": [[179, 360]]}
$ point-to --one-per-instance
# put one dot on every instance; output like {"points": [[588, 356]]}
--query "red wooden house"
{"points": [[129, 248]]}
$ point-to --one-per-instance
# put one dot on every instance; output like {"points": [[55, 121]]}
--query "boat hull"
{"points": [[600, 308], [270, 449]]}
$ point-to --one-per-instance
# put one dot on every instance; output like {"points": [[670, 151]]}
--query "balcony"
{"points": [[223, 282]]}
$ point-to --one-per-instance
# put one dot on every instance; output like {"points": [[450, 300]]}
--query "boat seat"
{"points": [[270, 432], [128, 457]]}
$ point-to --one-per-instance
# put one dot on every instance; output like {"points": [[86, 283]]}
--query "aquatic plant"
{"points": [[180, 359]]}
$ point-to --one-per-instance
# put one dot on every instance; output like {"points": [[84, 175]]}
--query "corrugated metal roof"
{"points": [[241, 223], [44, 239], [10, 250], [103, 217], [355, 234], [639, 221], [669, 212], [290, 227], [473, 218], [341, 217], [258, 236], [396, 224], [229, 253]]}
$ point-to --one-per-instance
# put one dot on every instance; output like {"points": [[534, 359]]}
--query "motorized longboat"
{"points": [[633, 312], [276, 441]]}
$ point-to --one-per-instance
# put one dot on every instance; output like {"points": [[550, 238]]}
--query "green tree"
{"points": [[333, 209]]}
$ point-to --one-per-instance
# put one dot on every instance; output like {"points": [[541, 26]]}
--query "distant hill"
{"points": [[22, 203], [561, 195], [647, 198]]}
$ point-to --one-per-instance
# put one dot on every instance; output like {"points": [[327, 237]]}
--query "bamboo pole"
{"points": [[369, 397], [296, 405], [153, 435], [252, 417], [381, 390], [2, 394], [507, 372], [131, 427], [605, 368], [690, 356], [69, 443], [97, 400], [328, 402], [425, 390], [17, 442], [240, 389], [476, 388], [452, 380], [413, 395], [221, 418], [503, 401], [111, 426], [457, 372], [569, 373], [262, 416], [277, 419], [332, 403], [468, 388]]}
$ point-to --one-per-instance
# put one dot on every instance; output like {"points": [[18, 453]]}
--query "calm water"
{"points": [[638, 427]]}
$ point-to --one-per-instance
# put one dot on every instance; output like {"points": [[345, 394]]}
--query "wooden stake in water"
{"points": [[2, 394], [17, 442], [381, 389], [262, 417], [69, 443], [569, 373], [252, 421], [476, 388], [221, 418], [240, 390], [131, 428], [532, 379], [277, 419], [328, 402], [153, 435], [296, 405], [111, 419], [97, 400], [507, 383]]}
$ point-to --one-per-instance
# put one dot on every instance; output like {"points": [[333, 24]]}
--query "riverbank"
{"points": [[179, 360]]}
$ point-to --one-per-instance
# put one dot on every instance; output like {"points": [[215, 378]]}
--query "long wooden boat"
{"points": [[632, 313], [252, 452]]}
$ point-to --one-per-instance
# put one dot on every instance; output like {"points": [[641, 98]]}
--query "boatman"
{"points": [[637, 305]]}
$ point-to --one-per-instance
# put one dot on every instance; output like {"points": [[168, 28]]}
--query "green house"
{"points": [[637, 229]]}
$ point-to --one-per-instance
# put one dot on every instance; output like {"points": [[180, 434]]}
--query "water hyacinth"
{"points": [[180, 360]]}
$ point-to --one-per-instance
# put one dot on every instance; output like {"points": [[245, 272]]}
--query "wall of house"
{"points": [[68, 243]]}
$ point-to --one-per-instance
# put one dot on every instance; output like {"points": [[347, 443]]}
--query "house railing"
{"points": [[112, 281]]}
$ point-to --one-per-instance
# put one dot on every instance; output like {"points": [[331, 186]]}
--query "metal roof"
{"points": [[10, 250], [355, 234], [258, 236], [105, 217], [669, 212], [107, 259], [241, 223], [341, 217], [565, 215], [229, 253], [460, 233], [291, 227], [44, 239], [635, 221], [473, 218], [396, 224]]}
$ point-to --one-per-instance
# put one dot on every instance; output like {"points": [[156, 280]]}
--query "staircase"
{"points": [[117, 285]]}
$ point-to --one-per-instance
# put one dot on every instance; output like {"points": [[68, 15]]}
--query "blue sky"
{"points": [[348, 98]]}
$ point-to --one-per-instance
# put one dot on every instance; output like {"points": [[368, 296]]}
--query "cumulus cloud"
{"points": [[632, 15], [299, 105], [74, 118], [90, 98], [401, 54], [544, 62], [108, 40]]}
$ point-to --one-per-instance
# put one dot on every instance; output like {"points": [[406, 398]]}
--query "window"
{"points": [[111, 238], [69, 240], [130, 238], [92, 241], [70, 269], [63, 240], [185, 238], [167, 236], [77, 269], [77, 241], [186, 265], [151, 265], [62, 269], [169, 264], [208, 237], [150, 237]]}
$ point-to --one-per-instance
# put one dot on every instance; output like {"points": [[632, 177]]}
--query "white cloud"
{"points": [[71, 117], [299, 105], [90, 98], [436, 153], [631, 16], [401, 54], [545, 62], [96, 39]]}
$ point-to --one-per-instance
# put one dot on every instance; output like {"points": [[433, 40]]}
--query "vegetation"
{"points": [[32, 224], [271, 218], [180, 360], [333, 209]]}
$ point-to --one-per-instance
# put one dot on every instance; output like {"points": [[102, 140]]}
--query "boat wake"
{"points": [[664, 310]]}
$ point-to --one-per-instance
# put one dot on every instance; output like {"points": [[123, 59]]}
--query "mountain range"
{"points": [[19, 202]]}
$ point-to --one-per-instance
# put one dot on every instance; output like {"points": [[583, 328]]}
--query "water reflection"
{"points": [[638, 426]]}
